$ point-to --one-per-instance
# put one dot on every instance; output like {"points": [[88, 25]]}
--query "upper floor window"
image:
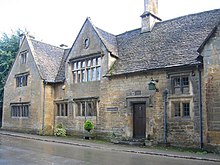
{"points": [[86, 70], [20, 110], [86, 43], [62, 109], [21, 80], [180, 84], [23, 56]]}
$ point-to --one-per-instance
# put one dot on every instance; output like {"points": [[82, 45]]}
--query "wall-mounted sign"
{"points": [[112, 109]]}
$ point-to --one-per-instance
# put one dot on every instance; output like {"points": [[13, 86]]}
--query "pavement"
{"points": [[116, 147]]}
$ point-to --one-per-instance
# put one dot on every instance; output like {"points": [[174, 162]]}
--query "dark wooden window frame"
{"points": [[62, 109], [20, 110], [180, 81], [22, 79], [181, 109], [86, 108]]}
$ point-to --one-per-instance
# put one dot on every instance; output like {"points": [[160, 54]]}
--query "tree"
{"points": [[9, 46]]}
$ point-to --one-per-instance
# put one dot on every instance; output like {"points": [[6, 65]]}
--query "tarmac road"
{"points": [[22, 151]]}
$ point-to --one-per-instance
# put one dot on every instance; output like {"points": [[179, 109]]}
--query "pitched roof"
{"points": [[61, 72], [109, 40], [48, 59], [171, 43]]}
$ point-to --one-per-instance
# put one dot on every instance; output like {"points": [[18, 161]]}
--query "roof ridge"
{"points": [[105, 31], [107, 42], [30, 44], [128, 32], [187, 15], [42, 42], [172, 42], [172, 19]]}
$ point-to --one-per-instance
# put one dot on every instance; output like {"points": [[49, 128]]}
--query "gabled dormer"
{"points": [[20, 72], [92, 54], [35, 59]]}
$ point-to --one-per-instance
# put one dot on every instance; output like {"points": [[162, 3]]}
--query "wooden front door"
{"points": [[139, 120]]}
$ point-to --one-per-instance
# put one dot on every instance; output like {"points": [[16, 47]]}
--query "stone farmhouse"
{"points": [[159, 82]]}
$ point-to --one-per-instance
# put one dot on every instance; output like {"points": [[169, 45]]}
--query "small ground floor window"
{"points": [[62, 109], [181, 109], [19, 110], [86, 108]]}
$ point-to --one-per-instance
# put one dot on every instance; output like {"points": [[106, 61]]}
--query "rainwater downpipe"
{"points": [[165, 93], [200, 107], [44, 105]]}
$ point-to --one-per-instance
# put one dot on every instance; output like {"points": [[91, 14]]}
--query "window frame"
{"points": [[20, 110], [86, 70], [186, 112], [179, 81], [181, 109], [82, 108], [21, 79], [62, 109], [23, 57]]}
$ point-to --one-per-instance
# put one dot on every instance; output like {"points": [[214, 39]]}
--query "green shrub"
{"points": [[59, 130], [88, 125]]}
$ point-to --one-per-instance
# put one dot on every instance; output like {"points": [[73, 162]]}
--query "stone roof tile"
{"points": [[61, 73], [171, 43], [48, 59], [109, 40]]}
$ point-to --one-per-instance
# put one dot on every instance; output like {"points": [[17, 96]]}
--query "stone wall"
{"points": [[72, 123], [116, 112], [84, 90], [211, 54], [49, 110], [118, 93], [184, 131], [32, 94]]}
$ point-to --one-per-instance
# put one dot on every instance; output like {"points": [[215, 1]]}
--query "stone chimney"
{"points": [[150, 15], [21, 37]]}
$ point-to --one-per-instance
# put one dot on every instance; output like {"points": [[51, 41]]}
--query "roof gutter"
{"points": [[151, 70]]}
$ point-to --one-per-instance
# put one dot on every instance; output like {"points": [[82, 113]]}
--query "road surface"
{"points": [[21, 151]]}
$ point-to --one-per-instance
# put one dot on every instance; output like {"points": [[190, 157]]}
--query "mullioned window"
{"points": [[86, 70]]}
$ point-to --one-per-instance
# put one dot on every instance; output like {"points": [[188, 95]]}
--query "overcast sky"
{"points": [[59, 21]]}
